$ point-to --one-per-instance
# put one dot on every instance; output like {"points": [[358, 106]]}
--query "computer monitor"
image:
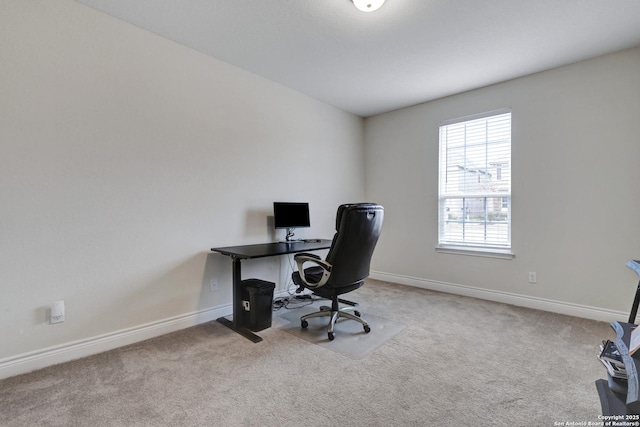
{"points": [[291, 215]]}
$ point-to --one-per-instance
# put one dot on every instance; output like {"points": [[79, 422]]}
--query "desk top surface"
{"points": [[272, 249]]}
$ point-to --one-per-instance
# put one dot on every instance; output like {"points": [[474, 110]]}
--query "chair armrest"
{"points": [[306, 255], [326, 269]]}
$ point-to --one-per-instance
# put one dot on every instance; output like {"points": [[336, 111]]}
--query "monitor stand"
{"points": [[289, 237]]}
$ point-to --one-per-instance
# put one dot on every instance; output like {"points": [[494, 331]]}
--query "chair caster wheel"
{"points": [[331, 336], [356, 312], [304, 324], [367, 329]]}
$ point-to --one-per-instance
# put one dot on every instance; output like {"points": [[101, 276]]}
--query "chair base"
{"points": [[335, 313]]}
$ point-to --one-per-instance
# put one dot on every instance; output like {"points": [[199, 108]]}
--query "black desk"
{"points": [[238, 253]]}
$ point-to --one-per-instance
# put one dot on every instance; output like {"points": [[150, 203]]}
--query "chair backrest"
{"points": [[358, 227]]}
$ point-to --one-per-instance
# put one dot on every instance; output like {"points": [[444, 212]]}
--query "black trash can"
{"points": [[257, 304]]}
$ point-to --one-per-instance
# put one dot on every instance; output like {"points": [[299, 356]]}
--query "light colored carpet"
{"points": [[350, 338], [459, 362]]}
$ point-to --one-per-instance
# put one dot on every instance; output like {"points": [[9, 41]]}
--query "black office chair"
{"points": [[347, 264]]}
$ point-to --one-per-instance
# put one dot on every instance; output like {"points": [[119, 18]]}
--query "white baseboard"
{"points": [[42, 358], [561, 307]]}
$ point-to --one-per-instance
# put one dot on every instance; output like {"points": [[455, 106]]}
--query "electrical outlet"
{"points": [[532, 277], [213, 285], [57, 312]]}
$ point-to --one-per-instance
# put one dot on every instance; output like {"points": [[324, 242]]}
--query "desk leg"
{"points": [[237, 305]]}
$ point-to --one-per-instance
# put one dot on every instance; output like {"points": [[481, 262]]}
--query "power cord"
{"points": [[291, 303]]}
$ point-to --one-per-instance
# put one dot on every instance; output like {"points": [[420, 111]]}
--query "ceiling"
{"points": [[405, 53]]}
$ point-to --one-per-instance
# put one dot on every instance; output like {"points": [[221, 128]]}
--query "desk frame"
{"points": [[262, 250]]}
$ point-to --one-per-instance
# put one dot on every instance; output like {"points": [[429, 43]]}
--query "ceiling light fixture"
{"points": [[368, 5]]}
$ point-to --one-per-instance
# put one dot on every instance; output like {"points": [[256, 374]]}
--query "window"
{"points": [[475, 183]]}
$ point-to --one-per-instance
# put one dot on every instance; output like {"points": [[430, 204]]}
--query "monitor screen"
{"points": [[291, 215]]}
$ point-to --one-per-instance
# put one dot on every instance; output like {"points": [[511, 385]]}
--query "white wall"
{"points": [[124, 157], [576, 203]]}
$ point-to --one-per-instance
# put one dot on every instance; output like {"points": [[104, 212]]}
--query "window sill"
{"points": [[481, 252]]}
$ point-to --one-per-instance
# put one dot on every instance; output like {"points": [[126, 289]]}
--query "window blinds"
{"points": [[475, 182]]}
